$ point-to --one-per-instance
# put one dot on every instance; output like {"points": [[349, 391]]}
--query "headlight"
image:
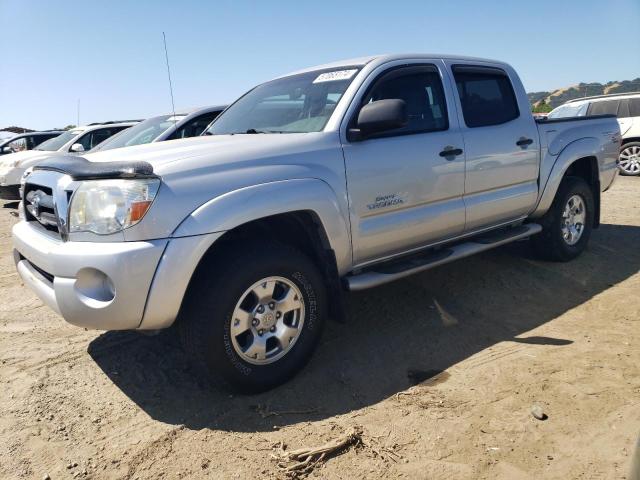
{"points": [[109, 206]]}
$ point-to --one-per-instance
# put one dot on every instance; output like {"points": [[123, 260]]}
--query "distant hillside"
{"points": [[562, 95]]}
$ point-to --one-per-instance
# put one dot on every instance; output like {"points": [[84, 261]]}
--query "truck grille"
{"points": [[40, 207]]}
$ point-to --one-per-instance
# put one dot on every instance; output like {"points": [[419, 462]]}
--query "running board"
{"points": [[396, 269]]}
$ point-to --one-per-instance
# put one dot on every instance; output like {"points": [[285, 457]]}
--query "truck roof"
{"points": [[362, 61]]}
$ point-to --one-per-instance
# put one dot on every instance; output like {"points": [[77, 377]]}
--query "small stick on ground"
{"points": [[307, 458], [265, 412]]}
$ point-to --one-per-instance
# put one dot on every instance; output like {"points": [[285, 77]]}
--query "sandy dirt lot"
{"points": [[440, 372]]}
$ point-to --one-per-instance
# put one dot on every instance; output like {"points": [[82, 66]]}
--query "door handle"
{"points": [[450, 151], [523, 142]]}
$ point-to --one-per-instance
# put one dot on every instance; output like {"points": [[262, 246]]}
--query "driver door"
{"points": [[404, 191]]}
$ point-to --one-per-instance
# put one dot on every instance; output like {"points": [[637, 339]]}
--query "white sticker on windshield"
{"points": [[335, 76]]}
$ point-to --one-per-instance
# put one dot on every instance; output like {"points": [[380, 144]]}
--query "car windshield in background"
{"points": [[143, 132], [57, 142], [296, 104], [564, 111]]}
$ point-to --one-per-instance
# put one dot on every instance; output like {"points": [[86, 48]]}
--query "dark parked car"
{"points": [[26, 141]]}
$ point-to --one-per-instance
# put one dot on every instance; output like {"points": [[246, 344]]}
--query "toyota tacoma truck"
{"points": [[340, 177]]}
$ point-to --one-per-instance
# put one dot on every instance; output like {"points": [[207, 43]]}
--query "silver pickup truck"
{"points": [[339, 177]]}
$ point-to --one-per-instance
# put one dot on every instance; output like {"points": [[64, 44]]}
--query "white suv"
{"points": [[625, 106], [71, 142]]}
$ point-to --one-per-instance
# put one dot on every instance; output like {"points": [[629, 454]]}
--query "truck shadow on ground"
{"points": [[396, 335]]}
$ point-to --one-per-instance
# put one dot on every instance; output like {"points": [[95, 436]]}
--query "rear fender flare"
{"points": [[584, 147]]}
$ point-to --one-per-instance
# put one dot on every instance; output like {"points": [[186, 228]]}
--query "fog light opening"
{"points": [[94, 288]]}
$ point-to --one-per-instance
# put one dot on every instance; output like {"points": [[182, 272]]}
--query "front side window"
{"points": [[608, 107], [95, 137], [195, 127], [19, 145], [299, 103], [486, 95], [420, 87], [58, 142], [85, 141]]}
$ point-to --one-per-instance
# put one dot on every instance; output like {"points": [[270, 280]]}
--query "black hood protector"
{"points": [[80, 168]]}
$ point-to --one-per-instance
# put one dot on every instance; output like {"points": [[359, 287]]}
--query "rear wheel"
{"points": [[629, 159], [568, 223], [254, 318]]}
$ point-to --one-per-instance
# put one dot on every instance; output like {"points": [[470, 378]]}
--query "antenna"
{"points": [[78, 114], [166, 56]]}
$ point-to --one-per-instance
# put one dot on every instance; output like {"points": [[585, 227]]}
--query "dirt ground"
{"points": [[500, 332]]}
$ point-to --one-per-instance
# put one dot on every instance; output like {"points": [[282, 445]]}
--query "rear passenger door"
{"points": [[501, 145]]}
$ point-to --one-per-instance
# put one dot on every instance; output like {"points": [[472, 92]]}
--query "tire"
{"points": [[629, 159], [225, 289], [552, 243]]}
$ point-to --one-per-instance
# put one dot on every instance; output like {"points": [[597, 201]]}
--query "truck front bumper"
{"points": [[93, 285]]}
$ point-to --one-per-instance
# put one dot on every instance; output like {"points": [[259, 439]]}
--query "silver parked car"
{"points": [[164, 127]]}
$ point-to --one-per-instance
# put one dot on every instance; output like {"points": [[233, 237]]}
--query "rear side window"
{"points": [[634, 107], [486, 95], [608, 107], [623, 109]]}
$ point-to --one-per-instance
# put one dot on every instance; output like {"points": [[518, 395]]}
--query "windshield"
{"points": [[297, 104], [144, 132], [57, 142], [564, 111]]}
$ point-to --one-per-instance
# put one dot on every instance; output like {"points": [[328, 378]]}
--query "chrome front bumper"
{"points": [[94, 285]]}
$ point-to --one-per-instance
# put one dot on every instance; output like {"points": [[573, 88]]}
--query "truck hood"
{"points": [[173, 157], [196, 170]]}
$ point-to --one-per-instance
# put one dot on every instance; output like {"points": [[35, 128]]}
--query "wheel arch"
{"points": [[580, 159], [629, 140], [302, 213]]}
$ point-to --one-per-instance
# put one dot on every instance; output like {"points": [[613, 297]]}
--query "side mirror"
{"points": [[378, 117], [77, 148], [7, 149]]}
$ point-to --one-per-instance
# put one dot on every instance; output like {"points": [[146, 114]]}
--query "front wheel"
{"points": [[629, 159], [254, 317], [568, 223]]}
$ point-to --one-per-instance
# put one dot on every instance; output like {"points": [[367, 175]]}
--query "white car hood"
{"points": [[27, 159]]}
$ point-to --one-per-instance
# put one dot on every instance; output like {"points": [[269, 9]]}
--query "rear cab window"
{"points": [[486, 95]]}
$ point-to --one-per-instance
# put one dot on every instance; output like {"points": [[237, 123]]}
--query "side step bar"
{"points": [[396, 269]]}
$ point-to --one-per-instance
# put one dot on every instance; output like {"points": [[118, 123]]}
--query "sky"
{"points": [[109, 55]]}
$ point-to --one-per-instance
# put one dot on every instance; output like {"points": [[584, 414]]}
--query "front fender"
{"points": [[549, 183], [244, 205], [205, 225]]}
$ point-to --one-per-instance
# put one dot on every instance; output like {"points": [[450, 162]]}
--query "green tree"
{"points": [[541, 107]]}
